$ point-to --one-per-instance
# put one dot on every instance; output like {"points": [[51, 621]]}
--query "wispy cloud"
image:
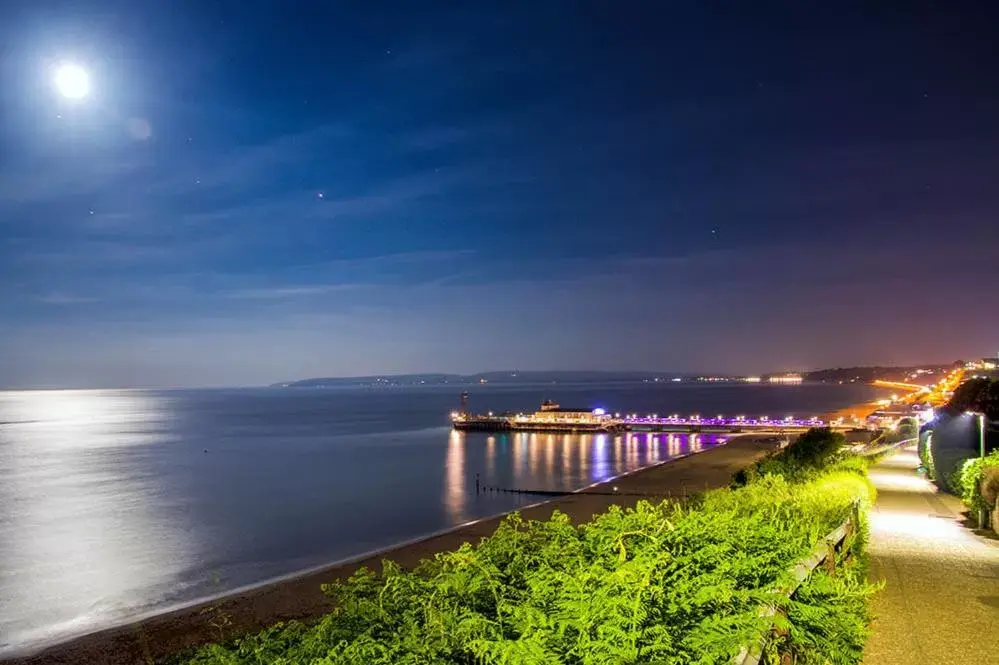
{"points": [[58, 177], [292, 291], [64, 299], [240, 168]]}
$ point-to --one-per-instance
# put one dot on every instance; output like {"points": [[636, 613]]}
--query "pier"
{"points": [[553, 418]]}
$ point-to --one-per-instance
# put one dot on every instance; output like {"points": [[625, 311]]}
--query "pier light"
{"points": [[655, 415], [720, 417], [490, 414], [764, 418], [617, 415]]}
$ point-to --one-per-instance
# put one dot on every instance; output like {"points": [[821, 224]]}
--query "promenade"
{"points": [[940, 603], [301, 597]]}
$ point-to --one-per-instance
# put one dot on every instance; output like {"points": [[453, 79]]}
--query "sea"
{"points": [[115, 504]]}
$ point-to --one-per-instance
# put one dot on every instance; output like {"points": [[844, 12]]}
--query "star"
{"points": [[321, 195]]}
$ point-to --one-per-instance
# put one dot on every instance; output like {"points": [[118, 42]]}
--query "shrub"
{"points": [[810, 453], [978, 394], [908, 428], [990, 485], [978, 481], [925, 451]]}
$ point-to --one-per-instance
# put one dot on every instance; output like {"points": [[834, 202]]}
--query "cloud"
{"points": [[435, 138], [55, 177], [292, 291], [62, 299], [240, 168]]}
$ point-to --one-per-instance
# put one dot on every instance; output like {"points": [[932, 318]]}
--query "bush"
{"points": [[908, 428], [659, 583], [980, 394], [978, 482], [990, 485], [925, 451], [810, 453]]}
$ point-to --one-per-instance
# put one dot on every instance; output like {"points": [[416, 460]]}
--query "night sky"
{"points": [[263, 191]]}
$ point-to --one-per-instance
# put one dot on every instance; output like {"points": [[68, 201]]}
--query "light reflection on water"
{"points": [[80, 512], [456, 488], [113, 503]]}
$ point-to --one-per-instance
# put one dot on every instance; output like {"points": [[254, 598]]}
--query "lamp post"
{"points": [[981, 434], [983, 514]]}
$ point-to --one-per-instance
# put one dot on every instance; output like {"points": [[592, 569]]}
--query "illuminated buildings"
{"points": [[785, 379]]}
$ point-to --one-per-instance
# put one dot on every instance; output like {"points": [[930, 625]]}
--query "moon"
{"points": [[71, 80]]}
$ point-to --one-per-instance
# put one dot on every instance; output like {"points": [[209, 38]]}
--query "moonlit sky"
{"points": [[258, 191]]}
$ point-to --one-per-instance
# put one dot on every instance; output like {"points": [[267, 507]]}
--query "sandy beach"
{"points": [[300, 597]]}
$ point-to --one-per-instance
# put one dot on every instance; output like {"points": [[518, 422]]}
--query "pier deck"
{"points": [[521, 423]]}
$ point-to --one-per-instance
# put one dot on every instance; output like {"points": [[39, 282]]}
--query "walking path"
{"points": [[940, 603]]}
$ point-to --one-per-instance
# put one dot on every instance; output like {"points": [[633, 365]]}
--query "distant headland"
{"points": [[862, 374]]}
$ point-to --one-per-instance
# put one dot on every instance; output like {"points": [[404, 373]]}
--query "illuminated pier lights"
{"points": [[696, 420]]}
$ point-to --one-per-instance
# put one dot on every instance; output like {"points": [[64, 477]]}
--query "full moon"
{"points": [[72, 81]]}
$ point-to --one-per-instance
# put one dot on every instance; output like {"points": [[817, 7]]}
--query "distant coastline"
{"points": [[860, 374]]}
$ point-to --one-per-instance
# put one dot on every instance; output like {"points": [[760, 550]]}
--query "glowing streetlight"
{"points": [[71, 80]]}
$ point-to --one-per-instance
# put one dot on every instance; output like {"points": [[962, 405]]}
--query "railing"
{"points": [[881, 448], [824, 552]]}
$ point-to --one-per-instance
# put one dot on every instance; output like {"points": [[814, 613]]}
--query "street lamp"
{"points": [[981, 433], [980, 417]]}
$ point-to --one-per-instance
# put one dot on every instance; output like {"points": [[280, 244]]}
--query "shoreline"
{"points": [[151, 638]]}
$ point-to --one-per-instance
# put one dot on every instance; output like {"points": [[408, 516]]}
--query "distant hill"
{"points": [[477, 379], [870, 373]]}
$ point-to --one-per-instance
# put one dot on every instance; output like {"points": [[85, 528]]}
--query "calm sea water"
{"points": [[119, 503]]}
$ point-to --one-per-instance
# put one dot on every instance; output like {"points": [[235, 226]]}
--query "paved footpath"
{"points": [[940, 603]]}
